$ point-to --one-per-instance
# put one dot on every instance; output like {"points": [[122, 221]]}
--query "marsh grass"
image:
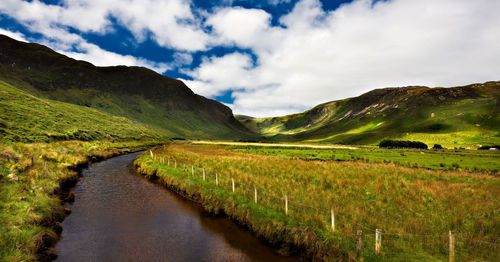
{"points": [[30, 208], [415, 208]]}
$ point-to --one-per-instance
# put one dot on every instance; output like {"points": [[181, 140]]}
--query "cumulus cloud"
{"points": [[171, 23], [316, 56]]}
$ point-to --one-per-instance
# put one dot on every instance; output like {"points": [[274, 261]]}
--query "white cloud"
{"points": [[15, 35], [171, 23], [317, 56]]}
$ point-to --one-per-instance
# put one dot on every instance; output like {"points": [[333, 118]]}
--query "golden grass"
{"points": [[414, 208]]}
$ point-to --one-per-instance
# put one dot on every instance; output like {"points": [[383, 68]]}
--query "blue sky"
{"points": [[273, 57]]}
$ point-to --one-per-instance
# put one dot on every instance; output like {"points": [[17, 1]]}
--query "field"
{"points": [[414, 208], [468, 160], [33, 178]]}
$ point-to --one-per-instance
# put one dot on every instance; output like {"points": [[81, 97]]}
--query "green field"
{"points": [[414, 208], [468, 160]]}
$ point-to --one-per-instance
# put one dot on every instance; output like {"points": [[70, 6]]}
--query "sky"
{"points": [[274, 57]]}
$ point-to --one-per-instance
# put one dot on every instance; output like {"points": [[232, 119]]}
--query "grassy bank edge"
{"points": [[271, 226], [53, 212]]}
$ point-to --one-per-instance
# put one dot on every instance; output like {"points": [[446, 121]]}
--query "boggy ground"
{"points": [[414, 208]]}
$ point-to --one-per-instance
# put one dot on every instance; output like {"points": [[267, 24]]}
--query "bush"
{"points": [[402, 144], [437, 146]]}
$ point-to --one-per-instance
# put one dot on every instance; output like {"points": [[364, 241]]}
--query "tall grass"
{"points": [[414, 208], [30, 208]]}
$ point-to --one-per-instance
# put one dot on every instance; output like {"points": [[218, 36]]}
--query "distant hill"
{"points": [[133, 92], [459, 116]]}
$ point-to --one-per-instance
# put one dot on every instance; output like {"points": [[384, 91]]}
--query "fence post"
{"points": [[232, 180], [452, 246], [255, 189], [333, 221], [378, 241], [192, 170], [359, 243], [286, 205], [203, 174], [216, 179]]}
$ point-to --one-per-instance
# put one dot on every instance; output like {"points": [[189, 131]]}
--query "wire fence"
{"points": [[364, 238]]}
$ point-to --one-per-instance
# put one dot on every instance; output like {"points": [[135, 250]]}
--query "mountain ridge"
{"points": [[394, 113], [134, 92]]}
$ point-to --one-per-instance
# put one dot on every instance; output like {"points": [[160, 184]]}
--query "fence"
{"points": [[453, 245]]}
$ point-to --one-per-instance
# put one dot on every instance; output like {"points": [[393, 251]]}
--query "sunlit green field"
{"points": [[415, 208], [469, 160]]}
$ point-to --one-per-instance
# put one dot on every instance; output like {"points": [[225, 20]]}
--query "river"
{"points": [[121, 216]]}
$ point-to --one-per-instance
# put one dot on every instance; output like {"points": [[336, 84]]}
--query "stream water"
{"points": [[120, 216]]}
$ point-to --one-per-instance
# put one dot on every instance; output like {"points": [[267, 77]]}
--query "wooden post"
{"points": [[378, 241], [192, 170], [255, 189], [359, 243], [203, 174], [333, 221], [452, 246], [232, 180], [151, 153], [286, 205], [216, 179]]}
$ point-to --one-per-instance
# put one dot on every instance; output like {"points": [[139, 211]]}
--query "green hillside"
{"points": [[27, 118], [133, 92], [460, 116]]}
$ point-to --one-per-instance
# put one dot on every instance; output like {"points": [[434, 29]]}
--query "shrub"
{"points": [[437, 146], [402, 144]]}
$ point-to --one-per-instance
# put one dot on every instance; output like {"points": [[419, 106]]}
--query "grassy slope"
{"points": [[134, 92], [461, 116], [413, 207], [27, 118]]}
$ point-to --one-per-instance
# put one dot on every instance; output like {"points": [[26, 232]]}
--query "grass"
{"points": [[470, 160], [415, 208], [30, 208], [26, 118]]}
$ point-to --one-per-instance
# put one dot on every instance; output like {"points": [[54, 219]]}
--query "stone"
{"points": [[13, 177]]}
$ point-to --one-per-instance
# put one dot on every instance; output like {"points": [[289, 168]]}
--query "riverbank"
{"points": [[284, 233], [412, 209], [34, 181]]}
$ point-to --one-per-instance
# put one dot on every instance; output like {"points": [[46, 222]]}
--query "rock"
{"points": [[13, 177]]}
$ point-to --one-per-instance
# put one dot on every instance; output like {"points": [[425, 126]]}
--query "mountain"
{"points": [[133, 92], [459, 116]]}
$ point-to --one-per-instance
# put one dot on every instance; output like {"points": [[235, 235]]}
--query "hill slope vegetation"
{"points": [[459, 116], [26, 118], [133, 92]]}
